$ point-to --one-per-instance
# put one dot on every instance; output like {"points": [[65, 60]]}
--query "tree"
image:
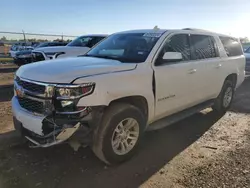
{"points": [[244, 40], [3, 38], [156, 27]]}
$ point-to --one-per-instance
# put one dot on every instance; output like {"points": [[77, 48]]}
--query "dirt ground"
{"points": [[204, 150]]}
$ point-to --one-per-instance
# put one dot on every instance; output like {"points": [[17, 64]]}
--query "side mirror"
{"points": [[172, 57]]}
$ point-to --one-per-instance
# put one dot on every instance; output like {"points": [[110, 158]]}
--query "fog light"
{"points": [[66, 103]]}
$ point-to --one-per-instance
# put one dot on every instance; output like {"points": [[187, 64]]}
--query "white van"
{"points": [[130, 82]]}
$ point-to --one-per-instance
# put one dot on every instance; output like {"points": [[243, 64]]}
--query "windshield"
{"points": [[44, 44], [81, 41], [128, 47]]}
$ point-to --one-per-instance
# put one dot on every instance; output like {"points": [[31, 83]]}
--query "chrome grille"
{"points": [[39, 89], [31, 105], [37, 56], [34, 96]]}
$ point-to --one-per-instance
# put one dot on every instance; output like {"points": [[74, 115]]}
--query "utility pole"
{"points": [[24, 37]]}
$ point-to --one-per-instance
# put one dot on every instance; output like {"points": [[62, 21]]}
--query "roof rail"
{"points": [[194, 29]]}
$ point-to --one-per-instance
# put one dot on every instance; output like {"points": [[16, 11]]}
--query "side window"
{"points": [[231, 46], [177, 43], [203, 47]]}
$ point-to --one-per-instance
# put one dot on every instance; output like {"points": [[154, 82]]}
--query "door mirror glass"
{"points": [[172, 56]]}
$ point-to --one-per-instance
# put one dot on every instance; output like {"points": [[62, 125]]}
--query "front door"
{"points": [[175, 81]]}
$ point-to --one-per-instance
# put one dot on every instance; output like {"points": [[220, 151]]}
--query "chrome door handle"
{"points": [[218, 66], [192, 71]]}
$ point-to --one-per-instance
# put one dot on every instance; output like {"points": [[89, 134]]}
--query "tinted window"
{"points": [[203, 47], [178, 43], [231, 46], [44, 44], [56, 44]]}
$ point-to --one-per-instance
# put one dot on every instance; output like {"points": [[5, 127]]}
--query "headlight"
{"points": [[64, 92], [67, 97], [74, 91]]}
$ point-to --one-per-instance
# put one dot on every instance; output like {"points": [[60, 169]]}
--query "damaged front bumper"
{"points": [[31, 127]]}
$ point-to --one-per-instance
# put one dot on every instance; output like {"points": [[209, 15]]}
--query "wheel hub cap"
{"points": [[125, 136], [228, 97]]}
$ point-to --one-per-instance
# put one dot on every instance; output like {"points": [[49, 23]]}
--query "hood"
{"points": [[60, 49], [68, 69]]}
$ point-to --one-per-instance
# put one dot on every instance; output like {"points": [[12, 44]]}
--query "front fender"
{"points": [[113, 86]]}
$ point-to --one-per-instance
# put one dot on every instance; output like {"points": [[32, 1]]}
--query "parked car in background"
{"points": [[17, 48], [25, 56], [247, 55], [245, 46], [78, 46], [130, 82]]}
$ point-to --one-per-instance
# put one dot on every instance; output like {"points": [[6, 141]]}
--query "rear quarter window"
{"points": [[231, 46]]}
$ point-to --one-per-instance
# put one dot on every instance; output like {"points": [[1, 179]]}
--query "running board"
{"points": [[178, 116]]}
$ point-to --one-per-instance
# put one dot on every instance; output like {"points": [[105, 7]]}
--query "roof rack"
{"points": [[194, 29]]}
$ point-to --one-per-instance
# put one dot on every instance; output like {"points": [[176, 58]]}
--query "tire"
{"points": [[106, 132], [220, 105]]}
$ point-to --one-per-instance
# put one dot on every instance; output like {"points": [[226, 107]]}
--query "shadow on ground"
{"points": [[6, 92], [61, 167], [241, 101]]}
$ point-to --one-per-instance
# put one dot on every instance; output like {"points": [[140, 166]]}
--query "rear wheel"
{"points": [[224, 100], [117, 137]]}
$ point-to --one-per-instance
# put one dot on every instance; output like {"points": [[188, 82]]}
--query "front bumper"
{"points": [[31, 125], [29, 121]]}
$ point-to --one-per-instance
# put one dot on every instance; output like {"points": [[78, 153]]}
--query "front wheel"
{"points": [[117, 137], [224, 100]]}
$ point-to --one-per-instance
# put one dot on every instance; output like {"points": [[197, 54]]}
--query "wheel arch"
{"points": [[232, 77], [137, 100]]}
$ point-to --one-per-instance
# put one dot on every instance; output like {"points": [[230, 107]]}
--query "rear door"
{"points": [[205, 55]]}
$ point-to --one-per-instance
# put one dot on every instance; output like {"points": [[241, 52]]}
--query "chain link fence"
{"points": [[8, 39]]}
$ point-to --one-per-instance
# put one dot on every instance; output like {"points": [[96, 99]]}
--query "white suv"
{"points": [[130, 82], [78, 46]]}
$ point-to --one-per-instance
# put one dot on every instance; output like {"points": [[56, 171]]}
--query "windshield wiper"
{"points": [[121, 59], [104, 57]]}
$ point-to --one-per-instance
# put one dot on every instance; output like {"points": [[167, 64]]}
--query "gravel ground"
{"points": [[204, 150], [6, 78]]}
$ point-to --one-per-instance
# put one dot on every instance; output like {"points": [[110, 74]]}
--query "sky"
{"points": [[78, 17]]}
